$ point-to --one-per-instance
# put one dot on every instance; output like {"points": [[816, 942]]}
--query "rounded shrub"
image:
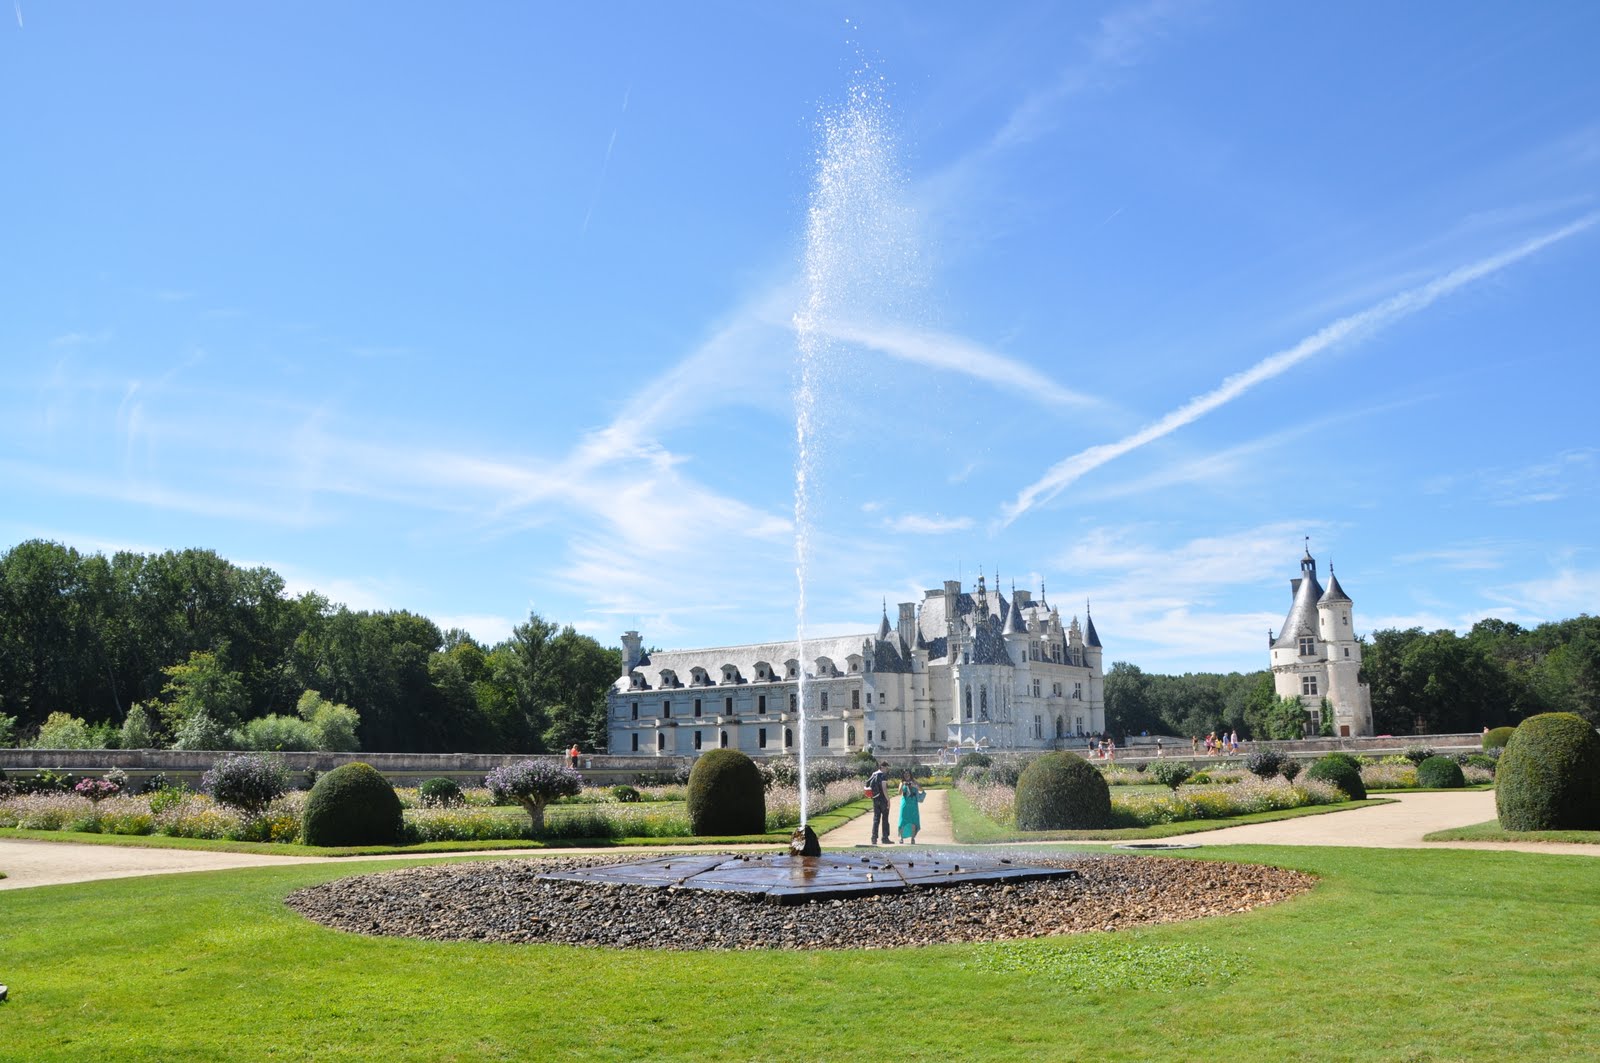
{"points": [[1171, 773], [1062, 791], [1264, 763], [627, 795], [352, 805], [1340, 770], [1440, 773], [1480, 760], [726, 795], [967, 761], [1417, 754], [1497, 738], [441, 793], [1549, 776], [248, 782], [1290, 769]]}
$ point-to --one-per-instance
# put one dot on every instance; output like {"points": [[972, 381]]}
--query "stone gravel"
{"points": [[508, 901]]}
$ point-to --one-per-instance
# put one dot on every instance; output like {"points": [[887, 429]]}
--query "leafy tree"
{"points": [[533, 784], [203, 731], [202, 686], [332, 726], [138, 730], [8, 729], [64, 731], [1286, 720]]}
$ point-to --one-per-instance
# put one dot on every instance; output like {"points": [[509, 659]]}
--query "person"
{"points": [[1160, 751], [1194, 745], [877, 784], [572, 757], [911, 796]]}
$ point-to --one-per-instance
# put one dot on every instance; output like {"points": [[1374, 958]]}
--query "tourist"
{"points": [[877, 787], [1194, 745], [911, 796], [572, 757], [1160, 752]]}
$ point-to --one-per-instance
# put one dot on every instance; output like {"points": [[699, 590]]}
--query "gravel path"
{"points": [[507, 901], [935, 825]]}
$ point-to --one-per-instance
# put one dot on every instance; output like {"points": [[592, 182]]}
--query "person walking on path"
{"points": [[877, 789], [911, 796]]}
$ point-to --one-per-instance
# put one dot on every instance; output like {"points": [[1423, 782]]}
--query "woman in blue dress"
{"points": [[911, 796]]}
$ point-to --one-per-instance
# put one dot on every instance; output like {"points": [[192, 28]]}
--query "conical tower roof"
{"points": [[1334, 593], [1091, 637]]}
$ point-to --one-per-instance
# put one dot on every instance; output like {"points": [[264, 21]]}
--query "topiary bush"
{"points": [[1265, 763], [248, 782], [1062, 791], [627, 795], [1480, 760], [352, 805], [1171, 773], [534, 784], [967, 761], [1549, 775], [441, 793], [1339, 769], [1497, 738], [1290, 769], [1440, 773], [726, 795], [1417, 754]]}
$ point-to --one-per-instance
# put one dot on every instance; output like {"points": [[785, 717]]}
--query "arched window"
{"points": [[983, 698], [850, 736], [722, 741], [697, 739], [661, 742], [788, 738], [1061, 727]]}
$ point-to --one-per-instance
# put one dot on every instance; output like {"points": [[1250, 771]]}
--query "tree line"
{"points": [[92, 637], [1438, 682]]}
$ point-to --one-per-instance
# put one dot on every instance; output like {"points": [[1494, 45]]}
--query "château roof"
{"points": [[1302, 618]]}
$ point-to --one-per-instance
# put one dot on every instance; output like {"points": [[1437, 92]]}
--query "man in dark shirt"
{"points": [[877, 783]]}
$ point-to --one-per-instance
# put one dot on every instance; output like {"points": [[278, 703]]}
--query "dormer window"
{"points": [[1308, 646]]}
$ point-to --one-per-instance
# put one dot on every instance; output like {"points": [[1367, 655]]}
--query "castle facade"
{"points": [[971, 669]]}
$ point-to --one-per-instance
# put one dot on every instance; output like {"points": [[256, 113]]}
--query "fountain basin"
{"points": [[786, 879]]}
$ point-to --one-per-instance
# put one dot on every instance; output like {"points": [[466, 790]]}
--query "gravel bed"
{"points": [[507, 901]]}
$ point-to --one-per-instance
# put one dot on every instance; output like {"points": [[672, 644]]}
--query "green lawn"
{"points": [[972, 827], [1396, 955], [1491, 832]]}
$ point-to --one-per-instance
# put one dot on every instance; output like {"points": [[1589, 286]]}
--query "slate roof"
{"points": [[1302, 618], [1334, 593]]}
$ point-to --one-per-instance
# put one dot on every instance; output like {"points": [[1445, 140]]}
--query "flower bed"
{"points": [[1144, 809]]}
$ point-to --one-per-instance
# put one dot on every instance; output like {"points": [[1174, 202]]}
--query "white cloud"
{"points": [[920, 524], [957, 355], [1351, 329]]}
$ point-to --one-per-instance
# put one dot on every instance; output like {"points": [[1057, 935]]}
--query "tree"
{"points": [[202, 686], [1129, 707], [138, 730], [533, 784], [61, 730], [333, 726], [1286, 720]]}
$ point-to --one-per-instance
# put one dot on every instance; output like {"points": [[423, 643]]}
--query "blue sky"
{"points": [[476, 311]]}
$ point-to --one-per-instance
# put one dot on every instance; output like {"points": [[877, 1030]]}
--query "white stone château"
{"points": [[970, 669], [1316, 657]]}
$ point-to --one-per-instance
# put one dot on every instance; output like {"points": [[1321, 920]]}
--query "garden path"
{"points": [[935, 824], [1397, 826]]}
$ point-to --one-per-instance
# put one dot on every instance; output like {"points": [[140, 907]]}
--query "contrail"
{"points": [[1356, 327], [605, 164], [17, 4]]}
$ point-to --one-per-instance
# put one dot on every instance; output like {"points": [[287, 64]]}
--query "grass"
{"points": [[1389, 958], [1491, 832], [821, 824], [972, 827]]}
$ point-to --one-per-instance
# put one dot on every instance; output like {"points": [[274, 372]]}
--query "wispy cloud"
{"points": [[81, 339], [956, 354], [920, 524], [1462, 558], [1352, 329]]}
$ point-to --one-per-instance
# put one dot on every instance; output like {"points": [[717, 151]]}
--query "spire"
{"points": [[1014, 621], [1334, 593], [1091, 637], [884, 630]]}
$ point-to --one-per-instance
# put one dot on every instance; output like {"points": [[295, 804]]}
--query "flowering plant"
{"points": [[96, 789]]}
